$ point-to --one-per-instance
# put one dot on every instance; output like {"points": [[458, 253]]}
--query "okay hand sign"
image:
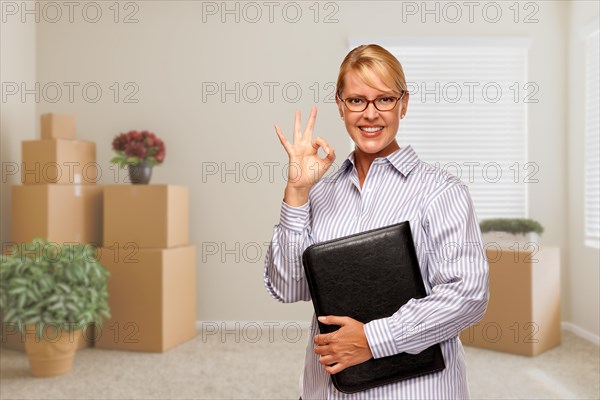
{"points": [[306, 167]]}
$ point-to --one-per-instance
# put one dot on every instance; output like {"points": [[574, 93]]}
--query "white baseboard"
{"points": [[582, 333], [232, 325]]}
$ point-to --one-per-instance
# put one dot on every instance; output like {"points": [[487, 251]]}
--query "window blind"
{"points": [[467, 114], [592, 139]]}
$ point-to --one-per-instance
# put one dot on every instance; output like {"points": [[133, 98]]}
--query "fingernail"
{"points": [[322, 319]]}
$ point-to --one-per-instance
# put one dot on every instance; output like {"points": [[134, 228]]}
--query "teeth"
{"points": [[372, 130]]}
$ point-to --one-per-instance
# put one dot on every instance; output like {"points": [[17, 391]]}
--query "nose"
{"points": [[371, 112]]}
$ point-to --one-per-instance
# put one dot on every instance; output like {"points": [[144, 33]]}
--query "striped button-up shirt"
{"points": [[399, 187]]}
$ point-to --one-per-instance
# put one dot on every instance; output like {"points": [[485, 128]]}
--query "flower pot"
{"points": [[140, 173], [51, 354], [508, 240]]}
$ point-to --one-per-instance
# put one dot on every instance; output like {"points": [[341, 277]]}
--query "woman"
{"points": [[380, 184]]}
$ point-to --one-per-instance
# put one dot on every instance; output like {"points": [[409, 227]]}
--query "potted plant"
{"points": [[505, 232], [139, 152], [50, 292]]}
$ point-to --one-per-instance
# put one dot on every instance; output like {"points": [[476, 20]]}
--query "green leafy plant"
{"points": [[45, 283], [511, 225]]}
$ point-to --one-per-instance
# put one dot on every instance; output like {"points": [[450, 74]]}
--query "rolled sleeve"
{"points": [[294, 218], [380, 338]]}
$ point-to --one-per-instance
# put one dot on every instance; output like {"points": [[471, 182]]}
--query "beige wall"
{"points": [[582, 276], [17, 118], [174, 50]]}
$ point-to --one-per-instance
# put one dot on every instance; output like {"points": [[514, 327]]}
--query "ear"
{"points": [[404, 103]]}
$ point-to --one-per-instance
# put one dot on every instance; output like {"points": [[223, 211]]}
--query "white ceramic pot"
{"points": [[510, 240]]}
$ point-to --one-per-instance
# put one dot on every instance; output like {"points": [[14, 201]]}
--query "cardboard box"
{"points": [[150, 216], [59, 161], [58, 126], [523, 314], [152, 297], [59, 213]]}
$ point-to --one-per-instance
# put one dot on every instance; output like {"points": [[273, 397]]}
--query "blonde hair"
{"points": [[368, 59]]}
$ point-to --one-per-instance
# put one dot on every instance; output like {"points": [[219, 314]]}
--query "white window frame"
{"points": [[589, 35]]}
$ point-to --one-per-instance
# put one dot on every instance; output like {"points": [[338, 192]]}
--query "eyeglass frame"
{"points": [[372, 101]]}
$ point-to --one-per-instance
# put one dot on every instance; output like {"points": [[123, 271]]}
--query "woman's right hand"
{"points": [[305, 167]]}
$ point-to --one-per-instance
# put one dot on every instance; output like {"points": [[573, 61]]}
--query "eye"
{"points": [[355, 100], [386, 100]]}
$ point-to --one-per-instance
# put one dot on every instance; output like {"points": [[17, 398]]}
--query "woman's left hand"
{"points": [[345, 347]]}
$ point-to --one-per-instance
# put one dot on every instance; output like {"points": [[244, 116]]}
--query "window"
{"points": [[592, 136], [468, 114]]}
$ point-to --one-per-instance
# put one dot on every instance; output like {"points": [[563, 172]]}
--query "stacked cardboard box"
{"points": [[152, 287], [58, 200], [523, 314]]}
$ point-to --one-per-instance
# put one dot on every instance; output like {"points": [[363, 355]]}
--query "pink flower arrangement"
{"points": [[136, 147]]}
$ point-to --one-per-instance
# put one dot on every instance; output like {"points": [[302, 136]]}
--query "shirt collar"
{"points": [[404, 160]]}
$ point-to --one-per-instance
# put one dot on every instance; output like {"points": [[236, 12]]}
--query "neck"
{"points": [[364, 160]]}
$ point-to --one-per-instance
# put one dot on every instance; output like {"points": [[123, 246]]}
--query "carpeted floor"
{"points": [[263, 366]]}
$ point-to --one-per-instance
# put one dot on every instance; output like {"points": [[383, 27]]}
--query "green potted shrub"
{"points": [[505, 232], [50, 292]]}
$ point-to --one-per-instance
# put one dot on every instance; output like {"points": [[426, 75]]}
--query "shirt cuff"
{"points": [[380, 338], [294, 218]]}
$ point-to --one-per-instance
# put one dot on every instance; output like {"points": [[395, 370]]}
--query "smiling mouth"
{"points": [[371, 129]]}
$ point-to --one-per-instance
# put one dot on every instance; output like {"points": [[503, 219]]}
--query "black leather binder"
{"points": [[367, 276]]}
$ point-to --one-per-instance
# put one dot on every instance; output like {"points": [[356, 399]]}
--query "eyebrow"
{"points": [[381, 95]]}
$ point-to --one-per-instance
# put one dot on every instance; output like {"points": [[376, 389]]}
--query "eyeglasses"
{"points": [[360, 104]]}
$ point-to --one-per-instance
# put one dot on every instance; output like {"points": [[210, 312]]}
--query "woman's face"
{"points": [[373, 131]]}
